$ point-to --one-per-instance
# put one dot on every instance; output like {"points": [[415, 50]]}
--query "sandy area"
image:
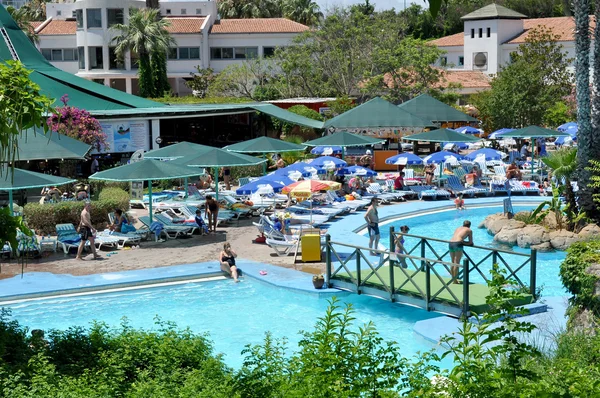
{"points": [[152, 254]]}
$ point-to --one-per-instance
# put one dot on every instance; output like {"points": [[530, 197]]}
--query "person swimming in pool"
{"points": [[463, 236], [399, 243]]}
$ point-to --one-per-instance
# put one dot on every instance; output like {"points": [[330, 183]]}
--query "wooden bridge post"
{"points": [[391, 263], [494, 257], [328, 260], [358, 275], [427, 286], [466, 309], [423, 262], [533, 272]]}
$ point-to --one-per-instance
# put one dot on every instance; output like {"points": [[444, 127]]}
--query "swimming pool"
{"points": [[441, 225]]}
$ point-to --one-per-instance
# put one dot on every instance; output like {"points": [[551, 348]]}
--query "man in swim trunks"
{"points": [[463, 236], [87, 231], [372, 218]]}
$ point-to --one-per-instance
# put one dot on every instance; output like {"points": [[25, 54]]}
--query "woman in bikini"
{"points": [[227, 261], [429, 174]]}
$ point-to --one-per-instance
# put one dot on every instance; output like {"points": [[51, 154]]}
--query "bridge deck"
{"points": [[477, 292]]}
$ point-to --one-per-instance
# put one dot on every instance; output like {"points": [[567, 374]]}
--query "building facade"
{"points": [[77, 37]]}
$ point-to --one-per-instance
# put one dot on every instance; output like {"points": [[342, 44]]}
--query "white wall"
{"points": [[452, 54], [190, 7]]}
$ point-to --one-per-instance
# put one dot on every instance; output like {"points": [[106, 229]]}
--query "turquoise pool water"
{"points": [[441, 225], [233, 314]]}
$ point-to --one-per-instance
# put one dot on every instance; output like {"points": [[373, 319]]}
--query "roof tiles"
{"points": [[466, 78], [258, 25], [59, 27], [183, 25]]}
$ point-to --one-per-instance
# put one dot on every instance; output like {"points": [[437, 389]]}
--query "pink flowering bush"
{"points": [[79, 124]]}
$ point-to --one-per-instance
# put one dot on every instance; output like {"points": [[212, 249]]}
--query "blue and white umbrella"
{"points": [[404, 159], [327, 162], [301, 167], [497, 135], [326, 150], [356, 171], [568, 126], [271, 181], [485, 154], [459, 145], [565, 140], [468, 130], [443, 157]]}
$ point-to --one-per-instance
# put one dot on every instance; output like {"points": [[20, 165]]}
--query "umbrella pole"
{"points": [[10, 202], [532, 154], [265, 164], [343, 152], [216, 182], [185, 188], [150, 200]]}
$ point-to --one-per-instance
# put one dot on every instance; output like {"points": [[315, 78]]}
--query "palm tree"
{"points": [[306, 12], [146, 34], [23, 19], [250, 8], [564, 165]]}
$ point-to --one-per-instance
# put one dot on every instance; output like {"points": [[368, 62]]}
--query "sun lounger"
{"points": [[375, 189], [68, 237], [334, 209], [357, 204], [282, 248], [424, 191], [170, 230], [169, 222], [457, 187], [121, 238], [524, 187]]}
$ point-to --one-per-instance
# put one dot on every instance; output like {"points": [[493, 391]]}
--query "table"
{"points": [[48, 244]]}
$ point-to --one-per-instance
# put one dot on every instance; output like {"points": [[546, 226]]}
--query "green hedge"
{"points": [[43, 218]]}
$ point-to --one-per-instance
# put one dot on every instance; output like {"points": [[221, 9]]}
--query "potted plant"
{"points": [[318, 281]]}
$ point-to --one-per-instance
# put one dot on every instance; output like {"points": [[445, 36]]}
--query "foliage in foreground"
{"points": [[494, 357]]}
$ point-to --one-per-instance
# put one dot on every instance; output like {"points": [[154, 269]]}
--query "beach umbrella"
{"points": [[442, 135], [496, 135], [25, 179], [459, 145], [443, 157], [565, 140], [356, 171], [328, 162], [485, 154], [264, 145], [304, 168], [178, 150], [327, 150], [404, 159], [568, 126], [344, 139], [304, 189], [146, 170], [216, 158], [467, 130], [34, 145], [256, 185]]}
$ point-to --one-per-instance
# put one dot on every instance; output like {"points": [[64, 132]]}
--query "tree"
{"points": [[146, 34], [201, 81], [253, 79], [524, 90], [250, 8], [306, 12], [23, 18], [564, 164]]}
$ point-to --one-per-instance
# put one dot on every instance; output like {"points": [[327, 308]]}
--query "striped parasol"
{"points": [[305, 189]]}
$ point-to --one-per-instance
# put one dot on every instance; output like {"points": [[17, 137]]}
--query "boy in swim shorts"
{"points": [[463, 236]]}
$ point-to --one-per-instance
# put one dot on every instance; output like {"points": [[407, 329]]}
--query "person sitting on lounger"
{"points": [[201, 223], [512, 171], [120, 219], [399, 182], [227, 261]]}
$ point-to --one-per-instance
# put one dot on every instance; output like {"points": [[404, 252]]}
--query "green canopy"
{"points": [[25, 179], [216, 158], [534, 132], [39, 146], [265, 145], [429, 108], [376, 113], [344, 139], [177, 150], [146, 170], [442, 135]]}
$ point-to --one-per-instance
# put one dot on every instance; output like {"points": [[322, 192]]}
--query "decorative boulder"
{"points": [[551, 222], [561, 240], [543, 247], [495, 222], [590, 231], [532, 235], [508, 234]]}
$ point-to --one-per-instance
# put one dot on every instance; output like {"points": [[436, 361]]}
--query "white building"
{"points": [[491, 34], [77, 38]]}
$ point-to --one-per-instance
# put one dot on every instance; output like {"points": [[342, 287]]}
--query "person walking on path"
{"points": [[372, 218], [87, 232], [211, 213], [463, 236]]}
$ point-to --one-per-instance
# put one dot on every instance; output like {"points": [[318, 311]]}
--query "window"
{"points": [[183, 11], [81, 57], [94, 18], [114, 16], [184, 53], [135, 60], [472, 33], [79, 18], [444, 61], [227, 53], [95, 58], [489, 32], [74, 14], [194, 52], [172, 53], [47, 53], [58, 13], [115, 61], [215, 53], [168, 11], [461, 61], [251, 52], [268, 52], [57, 54], [198, 11], [99, 81], [69, 54], [480, 33], [233, 53]]}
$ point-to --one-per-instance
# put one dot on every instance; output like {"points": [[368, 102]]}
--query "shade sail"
{"points": [[264, 145], [344, 139], [216, 157], [146, 170], [428, 108], [534, 132], [177, 150], [442, 135], [376, 113], [25, 179], [39, 146]]}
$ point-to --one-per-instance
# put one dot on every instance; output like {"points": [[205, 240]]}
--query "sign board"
{"points": [[125, 135], [137, 190]]}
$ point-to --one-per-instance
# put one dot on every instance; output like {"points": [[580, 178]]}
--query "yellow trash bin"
{"points": [[311, 247]]}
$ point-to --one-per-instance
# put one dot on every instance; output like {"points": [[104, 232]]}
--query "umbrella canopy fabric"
{"points": [[496, 135], [216, 157], [356, 171], [328, 162], [441, 157], [534, 132], [146, 170], [442, 135], [468, 130], [39, 146], [486, 154], [25, 179], [276, 182], [327, 150], [178, 150], [404, 159], [264, 145], [459, 145], [565, 140], [428, 108], [300, 167], [344, 139], [568, 126], [304, 189], [376, 113]]}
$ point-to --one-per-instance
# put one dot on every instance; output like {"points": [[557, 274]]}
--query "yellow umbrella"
{"points": [[304, 189]]}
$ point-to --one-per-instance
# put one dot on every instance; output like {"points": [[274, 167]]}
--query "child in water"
{"points": [[399, 243], [459, 202]]}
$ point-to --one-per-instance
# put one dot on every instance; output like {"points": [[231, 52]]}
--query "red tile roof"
{"points": [[466, 78], [59, 27], [563, 27], [185, 24], [258, 25]]}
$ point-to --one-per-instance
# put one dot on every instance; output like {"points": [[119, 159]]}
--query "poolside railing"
{"points": [[418, 279]]}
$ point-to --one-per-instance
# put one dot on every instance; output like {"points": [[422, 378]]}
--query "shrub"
{"points": [[44, 217], [97, 186]]}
